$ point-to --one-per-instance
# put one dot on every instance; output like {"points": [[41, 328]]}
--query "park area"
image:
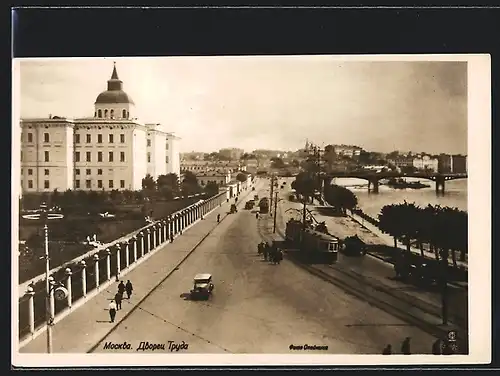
{"points": [[84, 216]]}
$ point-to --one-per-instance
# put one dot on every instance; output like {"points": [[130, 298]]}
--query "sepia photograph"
{"points": [[294, 209]]}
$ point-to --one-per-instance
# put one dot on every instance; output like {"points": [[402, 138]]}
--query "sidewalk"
{"points": [[88, 324]]}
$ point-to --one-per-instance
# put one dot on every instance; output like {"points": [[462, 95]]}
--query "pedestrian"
{"points": [[257, 215], [118, 300], [171, 237], [405, 346], [112, 311], [436, 347], [387, 350], [129, 288], [218, 218], [121, 288]]}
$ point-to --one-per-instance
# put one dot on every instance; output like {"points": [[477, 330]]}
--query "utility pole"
{"points": [[444, 288], [275, 211], [271, 198]]}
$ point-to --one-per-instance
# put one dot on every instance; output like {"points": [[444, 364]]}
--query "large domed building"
{"points": [[111, 150]]}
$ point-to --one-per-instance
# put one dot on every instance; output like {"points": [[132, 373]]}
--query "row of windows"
{"points": [[88, 184], [88, 138], [149, 158], [88, 156], [148, 144], [98, 113], [46, 137]]}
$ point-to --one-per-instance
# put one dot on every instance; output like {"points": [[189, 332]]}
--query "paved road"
{"points": [[256, 307]]}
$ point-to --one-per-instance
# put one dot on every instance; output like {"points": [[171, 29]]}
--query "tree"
{"points": [[148, 183], [295, 163], [277, 163], [241, 177], [168, 185], [190, 184], [340, 197], [212, 188], [389, 221], [304, 184]]}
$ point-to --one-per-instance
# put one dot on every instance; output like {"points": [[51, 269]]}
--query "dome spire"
{"points": [[114, 75]]}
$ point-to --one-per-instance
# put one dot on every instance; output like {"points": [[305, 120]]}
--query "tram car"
{"points": [[315, 247]]}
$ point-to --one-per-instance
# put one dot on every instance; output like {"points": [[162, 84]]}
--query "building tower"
{"points": [[114, 103]]}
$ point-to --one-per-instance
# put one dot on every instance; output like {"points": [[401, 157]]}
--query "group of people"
{"points": [[270, 252], [439, 347], [116, 303]]}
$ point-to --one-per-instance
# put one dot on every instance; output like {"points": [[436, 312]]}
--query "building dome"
{"points": [[113, 96], [115, 93]]}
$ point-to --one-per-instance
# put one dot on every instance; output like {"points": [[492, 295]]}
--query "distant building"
{"points": [[233, 154], [212, 166], [426, 162], [111, 150], [401, 161], [456, 164], [347, 150], [221, 178]]}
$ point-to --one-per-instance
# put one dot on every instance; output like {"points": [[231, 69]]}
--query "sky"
{"points": [[268, 102]]}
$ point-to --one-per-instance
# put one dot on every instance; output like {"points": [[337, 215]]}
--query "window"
{"points": [[46, 137], [99, 184], [77, 156], [110, 138], [77, 184], [77, 171], [89, 156], [21, 171], [166, 146], [30, 137], [122, 183], [46, 184], [166, 159], [112, 113], [99, 113], [111, 184], [122, 156], [88, 171], [105, 113], [110, 156], [149, 142], [30, 171], [87, 184], [99, 138], [124, 114], [99, 171], [89, 139], [77, 138], [99, 156], [149, 157], [46, 172], [46, 156], [21, 156], [122, 138], [30, 183], [95, 114]]}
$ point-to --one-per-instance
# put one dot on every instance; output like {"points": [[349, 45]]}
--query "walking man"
{"points": [[118, 300], [218, 218], [112, 311], [121, 288], [405, 346], [171, 237], [129, 288]]}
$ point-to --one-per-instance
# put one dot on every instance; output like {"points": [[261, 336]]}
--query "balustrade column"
{"points": [[84, 278], [31, 308], [135, 248], [69, 287], [165, 230], [155, 237], [147, 240], [127, 255], [143, 248], [108, 265], [96, 260], [118, 260]]}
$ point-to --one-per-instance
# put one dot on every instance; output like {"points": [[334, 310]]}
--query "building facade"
{"points": [[426, 162], [452, 164], [233, 154], [111, 150]]}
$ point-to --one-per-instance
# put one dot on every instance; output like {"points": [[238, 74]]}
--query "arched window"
{"points": [[112, 113], [124, 114], [95, 114], [106, 113], [99, 113]]}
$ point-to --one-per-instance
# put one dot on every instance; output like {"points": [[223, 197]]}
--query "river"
{"points": [[371, 203]]}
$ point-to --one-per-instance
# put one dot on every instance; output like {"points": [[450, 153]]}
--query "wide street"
{"points": [[256, 307]]}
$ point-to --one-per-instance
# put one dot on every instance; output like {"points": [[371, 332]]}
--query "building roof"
{"points": [[115, 93]]}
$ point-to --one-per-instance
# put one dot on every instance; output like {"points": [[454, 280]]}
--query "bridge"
{"points": [[375, 177]]}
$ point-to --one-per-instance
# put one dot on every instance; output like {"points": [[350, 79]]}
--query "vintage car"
{"points": [[203, 286], [249, 204], [233, 209]]}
